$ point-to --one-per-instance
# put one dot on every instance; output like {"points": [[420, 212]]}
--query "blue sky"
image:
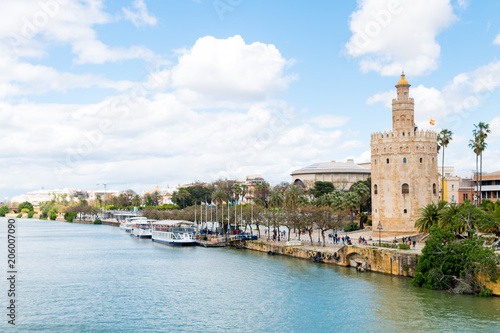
{"points": [[143, 93]]}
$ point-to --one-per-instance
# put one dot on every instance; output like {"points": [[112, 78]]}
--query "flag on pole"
{"points": [[224, 203], [432, 122], [203, 204], [230, 203]]}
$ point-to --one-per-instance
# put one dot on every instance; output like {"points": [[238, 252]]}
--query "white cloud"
{"points": [[463, 4], [153, 134], [390, 35], [497, 40], [329, 121], [452, 104], [229, 70], [28, 26], [141, 16]]}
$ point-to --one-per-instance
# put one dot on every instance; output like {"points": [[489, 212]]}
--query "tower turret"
{"points": [[403, 108]]}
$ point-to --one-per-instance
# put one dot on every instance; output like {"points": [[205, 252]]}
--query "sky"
{"points": [[142, 93]]}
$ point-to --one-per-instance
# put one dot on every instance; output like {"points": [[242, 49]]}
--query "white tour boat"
{"points": [[127, 226], [174, 232], [142, 228]]}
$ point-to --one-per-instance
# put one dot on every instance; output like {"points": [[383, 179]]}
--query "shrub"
{"points": [[70, 216], [25, 210], [362, 217], [403, 246], [24, 205], [352, 226], [19, 216], [53, 214], [30, 214], [369, 222], [97, 221], [4, 210]]}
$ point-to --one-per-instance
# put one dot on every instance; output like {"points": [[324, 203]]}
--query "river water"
{"points": [[95, 278]]}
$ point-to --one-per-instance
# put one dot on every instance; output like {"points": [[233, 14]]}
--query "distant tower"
{"points": [[404, 173]]}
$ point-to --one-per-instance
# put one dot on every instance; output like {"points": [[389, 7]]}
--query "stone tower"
{"points": [[404, 169]]}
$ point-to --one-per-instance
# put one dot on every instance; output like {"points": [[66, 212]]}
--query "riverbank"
{"points": [[363, 258]]}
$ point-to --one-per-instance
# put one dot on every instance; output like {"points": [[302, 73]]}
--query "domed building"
{"points": [[342, 174]]}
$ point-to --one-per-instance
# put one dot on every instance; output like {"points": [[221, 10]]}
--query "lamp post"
{"points": [[379, 228]]}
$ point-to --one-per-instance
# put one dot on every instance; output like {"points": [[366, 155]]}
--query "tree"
{"points": [[444, 138], [352, 202], [182, 198], [429, 216], [363, 193], [291, 196], [25, 204], [475, 146], [481, 131], [454, 265], [320, 188], [136, 200], [261, 191], [275, 199], [4, 210], [448, 218]]}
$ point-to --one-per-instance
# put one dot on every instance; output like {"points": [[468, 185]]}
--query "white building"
{"points": [[37, 197]]}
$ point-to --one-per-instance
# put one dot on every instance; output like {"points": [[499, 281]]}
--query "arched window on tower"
{"points": [[404, 159], [434, 189], [405, 189], [375, 189]]}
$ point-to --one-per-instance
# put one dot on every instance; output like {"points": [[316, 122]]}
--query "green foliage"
{"points": [[321, 188], [31, 214], [4, 210], [70, 216], [369, 222], [363, 218], [19, 216], [429, 216], [53, 214], [97, 221], [24, 205], [187, 196], [403, 246], [351, 226], [454, 265], [25, 210]]}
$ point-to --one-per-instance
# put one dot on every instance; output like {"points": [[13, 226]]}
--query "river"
{"points": [[96, 278]]}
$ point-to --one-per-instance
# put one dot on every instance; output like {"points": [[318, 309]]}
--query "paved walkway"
{"points": [[354, 235]]}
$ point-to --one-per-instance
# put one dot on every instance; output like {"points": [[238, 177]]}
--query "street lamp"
{"points": [[379, 228]]}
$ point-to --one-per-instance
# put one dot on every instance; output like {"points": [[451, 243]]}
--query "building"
{"points": [[251, 182], [342, 174], [40, 196], [404, 168], [466, 191], [490, 185], [451, 191]]}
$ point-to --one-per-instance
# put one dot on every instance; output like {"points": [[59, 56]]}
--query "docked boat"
{"points": [[142, 228], [127, 226], [174, 232]]}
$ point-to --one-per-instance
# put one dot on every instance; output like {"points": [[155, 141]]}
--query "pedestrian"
{"points": [[414, 242]]}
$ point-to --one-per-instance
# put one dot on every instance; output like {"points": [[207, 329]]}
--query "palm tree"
{"points": [[475, 146], [275, 199], [363, 192], [444, 138], [237, 191], [351, 203], [291, 196], [429, 216], [482, 133], [244, 191], [447, 218], [219, 195]]}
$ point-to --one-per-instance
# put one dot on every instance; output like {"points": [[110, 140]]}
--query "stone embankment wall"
{"points": [[366, 258], [363, 258]]}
